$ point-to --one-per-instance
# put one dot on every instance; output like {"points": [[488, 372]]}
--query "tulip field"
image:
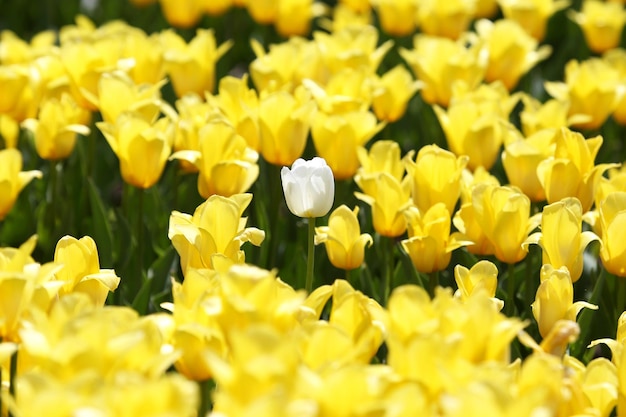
{"points": [[312, 208]]}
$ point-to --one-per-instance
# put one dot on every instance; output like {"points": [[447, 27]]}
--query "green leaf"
{"points": [[142, 299], [163, 268], [101, 228]]}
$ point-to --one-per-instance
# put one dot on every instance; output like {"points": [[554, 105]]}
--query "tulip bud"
{"points": [[309, 187]]}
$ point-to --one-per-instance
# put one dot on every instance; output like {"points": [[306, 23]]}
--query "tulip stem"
{"points": [[433, 282], [621, 297], [310, 255], [206, 387], [52, 190], [12, 374], [510, 277], [140, 198], [389, 266]]}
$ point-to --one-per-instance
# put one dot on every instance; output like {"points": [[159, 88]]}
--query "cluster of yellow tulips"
{"points": [[479, 271]]}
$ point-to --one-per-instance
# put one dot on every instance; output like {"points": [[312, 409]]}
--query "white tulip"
{"points": [[309, 187]]}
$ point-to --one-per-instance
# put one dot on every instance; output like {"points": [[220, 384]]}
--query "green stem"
{"points": [[433, 282], [389, 260], [12, 374], [530, 290], [206, 387], [585, 320], [276, 196], [139, 226], [510, 296], [621, 298], [52, 193], [310, 255]]}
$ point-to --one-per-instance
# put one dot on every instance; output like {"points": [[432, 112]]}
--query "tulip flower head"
{"points": [[430, 243], [612, 221], [591, 87], [571, 172], [601, 23], [561, 238], [309, 187], [555, 299], [12, 179], [532, 15], [521, 158], [344, 242]]}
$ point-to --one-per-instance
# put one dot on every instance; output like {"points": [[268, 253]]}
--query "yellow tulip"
{"points": [[338, 136], [293, 17], [263, 12], [146, 54], [561, 238], [521, 158], [616, 181], [196, 333], [536, 116], [430, 243], [9, 131], [448, 19], [343, 16], [591, 89], [22, 90], [285, 65], [16, 50], [601, 23], [466, 221], [475, 124], [486, 8], [397, 18], [117, 93], [361, 318], [503, 214], [616, 58], [392, 93], [600, 385], [512, 52], [284, 122], [55, 129], [532, 15], [12, 179], [352, 47], [555, 299], [216, 229], [191, 66], [440, 63], [193, 114], [240, 105], [436, 177], [345, 245], [217, 7], [25, 286], [470, 179], [357, 5], [183, 14], [571, 172], [86, 60], [348, 90], [383, 156], [612, 214], [141, 146], [81, 269], [388, 197], [227, 165], [483, 276]]}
